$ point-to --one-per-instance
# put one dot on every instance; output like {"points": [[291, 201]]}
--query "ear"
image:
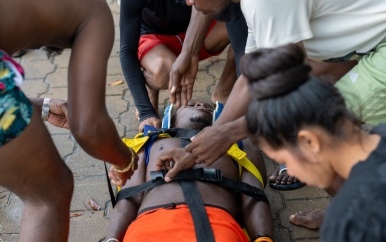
{"points": [[309, 140]]}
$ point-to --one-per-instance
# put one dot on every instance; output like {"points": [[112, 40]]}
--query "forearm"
{"points": [[196, 32], [236, 130], [237, 103], [136, 82], [130, 28], [123, 214], [98, 137]]}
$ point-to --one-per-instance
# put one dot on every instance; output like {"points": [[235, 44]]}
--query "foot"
{"points": [[311, 219], [282, 181], [280, 176]]}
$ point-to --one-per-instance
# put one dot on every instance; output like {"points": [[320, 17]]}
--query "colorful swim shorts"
{"points": [[15, 107], [176, 224]]}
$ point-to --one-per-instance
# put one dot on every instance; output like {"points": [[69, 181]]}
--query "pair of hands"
{"points": [[181, 82], [207, 147]]}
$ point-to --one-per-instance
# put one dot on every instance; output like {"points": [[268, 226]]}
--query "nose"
{"points": [[200, 105], [189, 2]]}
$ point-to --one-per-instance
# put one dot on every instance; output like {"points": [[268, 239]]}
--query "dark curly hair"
{"points": [[286, 98]]}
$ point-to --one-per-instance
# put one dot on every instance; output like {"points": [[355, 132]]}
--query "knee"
{"points": [[159, 74]]}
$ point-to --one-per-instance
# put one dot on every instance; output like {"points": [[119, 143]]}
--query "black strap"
{"points": [[174, 132], [112, 197], [131, 191], [201, 174], [204, 232]]}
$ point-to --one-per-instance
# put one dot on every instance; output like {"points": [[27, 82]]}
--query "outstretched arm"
{"points": [[256, 214], [89, 120], [184, 70], [125, 211], [130, 28]]}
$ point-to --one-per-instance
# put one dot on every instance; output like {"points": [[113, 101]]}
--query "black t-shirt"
{"points": [[138, 17], [358, 212]]}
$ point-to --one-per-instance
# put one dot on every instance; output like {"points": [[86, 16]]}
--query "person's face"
{"points": [[196, 113], [210, 7], [302, 163]]}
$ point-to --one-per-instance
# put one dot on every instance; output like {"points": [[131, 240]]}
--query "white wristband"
{"points": [[46, 108], [112, 239]]}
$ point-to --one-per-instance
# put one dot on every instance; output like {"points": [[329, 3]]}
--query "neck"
{"points": [[347, 154]]}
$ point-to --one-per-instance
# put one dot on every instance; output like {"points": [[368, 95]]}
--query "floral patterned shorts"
{"points": [[15, 107]]}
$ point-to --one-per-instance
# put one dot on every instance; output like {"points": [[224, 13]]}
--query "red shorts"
{"points": [[176, 224], [173, 42]]}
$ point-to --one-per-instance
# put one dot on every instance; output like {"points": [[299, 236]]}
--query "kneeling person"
{"points": [[162, 214]]}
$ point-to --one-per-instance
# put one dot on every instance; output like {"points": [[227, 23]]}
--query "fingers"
{"points": [[173, 172], [184, 96], [162, 162], [172, 94], [189, 93]]}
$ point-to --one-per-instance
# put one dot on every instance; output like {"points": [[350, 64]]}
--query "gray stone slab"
{"points": [[38, 69], [90, 227], [4, 197], [114, 66], [115, 51], [64, 143], [62, 60], [94, 187], [10, 215], [116, 105], [83, 165], [56, 130], [115, 89], [59, 78], [9, 237], [34, 87], [202, 82], [216, 69]]}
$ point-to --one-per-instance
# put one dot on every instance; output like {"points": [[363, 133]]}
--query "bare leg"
{"points": [[32, 169], [313, 218], [227, 79], [156, 65]]}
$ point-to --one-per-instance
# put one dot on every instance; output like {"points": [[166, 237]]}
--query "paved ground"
{"points": [[46, 78]]}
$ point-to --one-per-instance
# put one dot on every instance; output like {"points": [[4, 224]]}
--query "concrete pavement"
{"points": [[48, 78]]}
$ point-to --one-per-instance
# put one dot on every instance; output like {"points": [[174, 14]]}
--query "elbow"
{"points": [[85, 131]]}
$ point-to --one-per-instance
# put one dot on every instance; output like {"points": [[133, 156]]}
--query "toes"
{"points": [[274, 175]]}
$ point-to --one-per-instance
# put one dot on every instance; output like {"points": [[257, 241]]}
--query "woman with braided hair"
{"points": [[302, 121]]}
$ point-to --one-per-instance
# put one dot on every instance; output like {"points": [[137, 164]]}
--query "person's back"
{"points": [[49, 23]]}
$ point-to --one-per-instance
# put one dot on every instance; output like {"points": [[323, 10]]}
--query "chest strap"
{"points": [[201, 174]]}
